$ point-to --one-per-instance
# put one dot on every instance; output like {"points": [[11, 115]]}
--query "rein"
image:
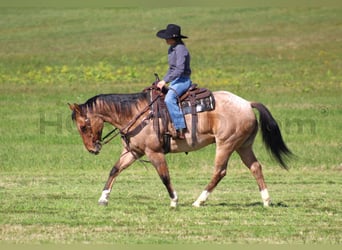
{"points": [[104, 141], [127, 127]]}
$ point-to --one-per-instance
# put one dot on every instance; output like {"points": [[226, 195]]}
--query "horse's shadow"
{"points": [[254, 204]]}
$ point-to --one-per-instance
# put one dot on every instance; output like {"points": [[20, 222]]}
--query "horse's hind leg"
{"points": [[249, 159], [221, 163]]}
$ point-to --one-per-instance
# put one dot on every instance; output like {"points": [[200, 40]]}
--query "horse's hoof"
{"points": [[173, 204], [201, 199], [196, 204], [174, 201], [103, 203], [267, 203]]}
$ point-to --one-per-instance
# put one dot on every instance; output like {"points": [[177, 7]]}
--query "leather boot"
{"points": [[180, 134]]}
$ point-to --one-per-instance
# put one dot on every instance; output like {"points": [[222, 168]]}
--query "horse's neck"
{"points": [[120, 115]]}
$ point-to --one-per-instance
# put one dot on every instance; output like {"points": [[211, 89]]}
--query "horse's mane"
{"points": [[124, 104]]}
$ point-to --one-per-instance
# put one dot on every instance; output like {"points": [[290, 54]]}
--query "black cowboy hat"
{"points": [[171, 31]]}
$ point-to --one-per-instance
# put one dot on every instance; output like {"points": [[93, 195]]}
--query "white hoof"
{"points": [[196, 204], [103, 201], [173, 204], [267, 204], [201, 199], [174, 201], [265, 197]]}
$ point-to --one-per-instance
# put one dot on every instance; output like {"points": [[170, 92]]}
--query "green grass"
{"points": [[287, 58], [60, 207]]}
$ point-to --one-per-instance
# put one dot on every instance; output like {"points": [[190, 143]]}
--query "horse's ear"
{"points": [[75, 107]]}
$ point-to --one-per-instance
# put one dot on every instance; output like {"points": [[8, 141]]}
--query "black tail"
{"points": [[271, 135]]}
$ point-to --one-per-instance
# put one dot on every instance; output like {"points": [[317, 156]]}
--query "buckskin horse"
{"points": [[232, 125]]}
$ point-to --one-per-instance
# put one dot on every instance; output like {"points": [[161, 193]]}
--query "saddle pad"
{"points": [[203, 104]]}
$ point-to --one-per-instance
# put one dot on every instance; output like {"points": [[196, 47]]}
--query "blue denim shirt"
{"points": [[179, 63]]}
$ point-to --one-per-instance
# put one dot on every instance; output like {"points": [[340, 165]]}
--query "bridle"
{"points": [[103, 140], [88, 126], [124, 132]]}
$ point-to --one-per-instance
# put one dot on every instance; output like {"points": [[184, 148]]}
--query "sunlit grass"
{"points": [[286, 58]]}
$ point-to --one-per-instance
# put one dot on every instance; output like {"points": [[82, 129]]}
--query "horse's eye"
{"points": [[83, 129]]}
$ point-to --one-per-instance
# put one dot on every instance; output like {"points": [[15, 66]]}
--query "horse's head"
{"points": [[89, 126]]}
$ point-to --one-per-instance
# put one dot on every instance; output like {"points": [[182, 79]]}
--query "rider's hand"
{"points": [[161, 84]]}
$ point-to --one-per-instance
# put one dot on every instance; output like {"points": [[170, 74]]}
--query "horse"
{"points": [[232, 126]]}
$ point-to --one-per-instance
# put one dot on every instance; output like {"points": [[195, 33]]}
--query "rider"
{"points": [[178, 74]]}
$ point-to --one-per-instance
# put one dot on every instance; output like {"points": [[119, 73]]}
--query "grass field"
{"points": [[287, 58]]}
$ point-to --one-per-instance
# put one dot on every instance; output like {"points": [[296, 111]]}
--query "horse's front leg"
{"points": [[126, 159], [159, 162]]}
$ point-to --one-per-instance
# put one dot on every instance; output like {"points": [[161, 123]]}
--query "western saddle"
{"points": [[193, 101]]}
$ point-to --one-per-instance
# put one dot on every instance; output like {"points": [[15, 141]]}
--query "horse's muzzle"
{"points": [[97, 149]]}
